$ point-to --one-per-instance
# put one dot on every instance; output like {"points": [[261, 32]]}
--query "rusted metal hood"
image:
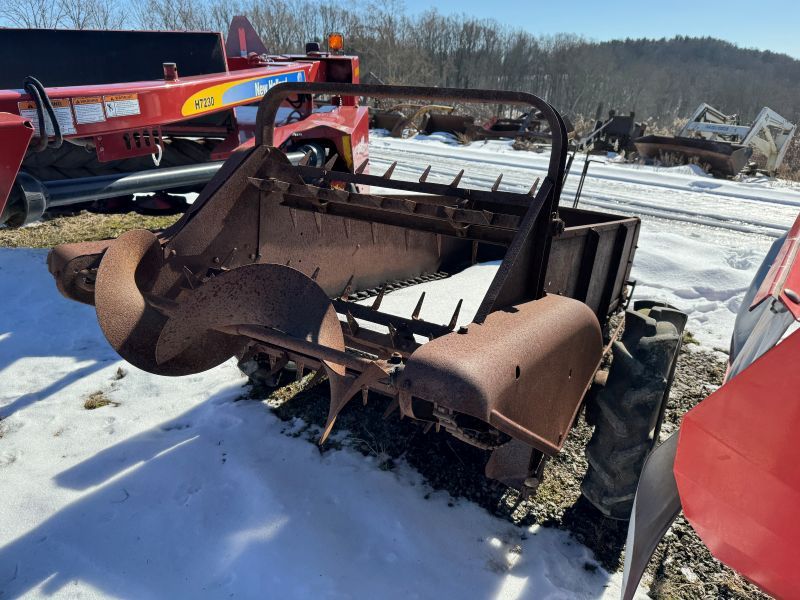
{"points": [[524, 369]]}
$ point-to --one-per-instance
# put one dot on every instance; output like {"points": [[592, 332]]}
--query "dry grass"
{"points": [[98, 400], [790, 169], [84, 226]]}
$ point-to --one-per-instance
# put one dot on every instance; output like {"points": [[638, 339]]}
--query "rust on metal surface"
{"points": [[281, 261], [523, 370], [722, 158]]}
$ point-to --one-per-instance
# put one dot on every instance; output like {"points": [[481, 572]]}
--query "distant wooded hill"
{"points": [[660, 79]]}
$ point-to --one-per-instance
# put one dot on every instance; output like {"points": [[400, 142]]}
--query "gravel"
{"points": [[682, 566]]}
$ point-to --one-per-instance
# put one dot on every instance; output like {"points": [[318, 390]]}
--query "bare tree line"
{"points": [[662, 79]]}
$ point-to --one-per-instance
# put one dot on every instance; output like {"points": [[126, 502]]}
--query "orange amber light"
{"points": [[335, 42]]}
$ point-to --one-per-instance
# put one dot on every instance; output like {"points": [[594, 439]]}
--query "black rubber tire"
{"points": [[72, 162], [627, 411]]}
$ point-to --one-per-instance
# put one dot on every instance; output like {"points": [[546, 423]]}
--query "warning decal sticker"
{"points": [[88, 110], [62, 110], [122, 105]]}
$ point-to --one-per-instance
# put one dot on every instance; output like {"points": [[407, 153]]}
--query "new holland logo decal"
{"points": [[235, 92]]}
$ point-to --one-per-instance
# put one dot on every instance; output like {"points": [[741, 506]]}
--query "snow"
{"points": [[441, 297], [186, 490]]}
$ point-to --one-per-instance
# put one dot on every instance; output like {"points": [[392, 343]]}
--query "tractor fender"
{"points": [[524, 370], [15, 135]]}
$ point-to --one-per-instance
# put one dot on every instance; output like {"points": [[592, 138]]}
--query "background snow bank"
{"points": [[185, 491]]}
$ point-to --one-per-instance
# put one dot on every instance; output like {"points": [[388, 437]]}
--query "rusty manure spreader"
{"points": [[274, 260]]}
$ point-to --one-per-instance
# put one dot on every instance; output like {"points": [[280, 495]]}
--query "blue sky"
{"points": [[766, 24]]}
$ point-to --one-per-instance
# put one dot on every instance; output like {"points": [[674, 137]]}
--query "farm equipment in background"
{"points": [[615, 134], [730, 466], [406, 120], [531, 126], [274, 261], [720, 143], [157, 119]]}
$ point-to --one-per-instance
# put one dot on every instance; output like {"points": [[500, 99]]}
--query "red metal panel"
{"points": [[336, 126], [15, 134], [737, 472], [782, 281], [160, 102]]}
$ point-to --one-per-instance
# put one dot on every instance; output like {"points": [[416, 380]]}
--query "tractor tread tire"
{"points": [[624, 411]]}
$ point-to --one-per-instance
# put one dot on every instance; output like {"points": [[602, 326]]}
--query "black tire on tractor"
{"points": [[71, 161], [628, 411]]}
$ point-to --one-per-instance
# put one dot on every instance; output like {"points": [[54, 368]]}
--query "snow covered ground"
{"points": [[184, 490]]}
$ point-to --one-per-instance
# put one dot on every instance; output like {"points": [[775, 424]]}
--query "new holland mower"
{"points": [[132, 112]]}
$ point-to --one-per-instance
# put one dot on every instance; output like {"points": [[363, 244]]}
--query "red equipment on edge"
{"points": [[136, 111], [729, 467]]}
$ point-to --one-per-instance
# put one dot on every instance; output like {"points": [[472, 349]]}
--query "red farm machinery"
{"points": [[729, 467], [128, 112]]}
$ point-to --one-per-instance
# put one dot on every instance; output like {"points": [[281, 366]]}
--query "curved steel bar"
{"points": [[268, 109]]}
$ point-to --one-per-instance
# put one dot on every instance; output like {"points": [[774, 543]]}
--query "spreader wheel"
{"points": [[627, 413]]}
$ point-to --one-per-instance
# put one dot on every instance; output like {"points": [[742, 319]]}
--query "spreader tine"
{"points": [[379, 298], [392, 335], [319, 375], [190, 277], [534, 187], [393, 406], [363, 167], [315, 274], [454, 318], [352, 323], [496, 185], [364, 395], [301, 367], [344, 387], [457, 178], [306, 157], [425, 173], [348, 288], [331, 162], [390, 170], [418, 307]]}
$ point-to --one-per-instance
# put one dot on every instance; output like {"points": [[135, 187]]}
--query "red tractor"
{"points": [[119, 122], [730, 468]]}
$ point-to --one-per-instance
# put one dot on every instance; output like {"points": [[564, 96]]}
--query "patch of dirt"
{"points": [[80, 227], [682, 566]]}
